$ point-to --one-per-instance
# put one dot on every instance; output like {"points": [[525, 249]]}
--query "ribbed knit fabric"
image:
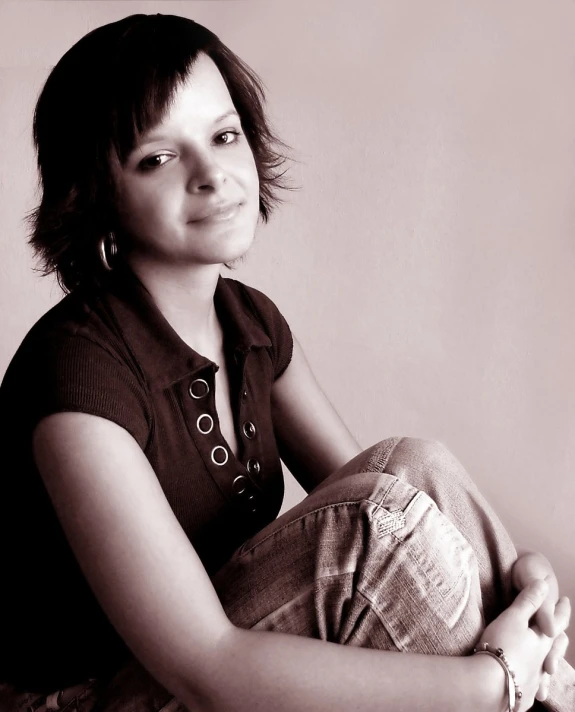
{"points": [[112, 354]]}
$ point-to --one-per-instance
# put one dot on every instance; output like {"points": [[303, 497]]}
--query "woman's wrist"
{"points": [[490, 682]]}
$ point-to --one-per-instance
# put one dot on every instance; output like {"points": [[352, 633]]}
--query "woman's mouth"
{"points": [[219, 213]]}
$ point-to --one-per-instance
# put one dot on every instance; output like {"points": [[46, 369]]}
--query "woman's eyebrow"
{"points": [[227, 115], [149, 138]]}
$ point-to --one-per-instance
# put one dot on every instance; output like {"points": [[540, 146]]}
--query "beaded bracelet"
{"points": [[513, 691]]}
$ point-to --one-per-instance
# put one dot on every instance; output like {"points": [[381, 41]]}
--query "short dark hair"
{"points": [[113, 85]]}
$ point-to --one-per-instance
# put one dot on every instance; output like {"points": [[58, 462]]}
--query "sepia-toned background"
{"points": [[427, 260]]}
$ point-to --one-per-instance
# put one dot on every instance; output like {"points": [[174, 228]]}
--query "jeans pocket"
{"points": [[423, 580], [435, 545]]}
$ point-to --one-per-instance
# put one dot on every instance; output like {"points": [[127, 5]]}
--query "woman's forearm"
{"points": [[259, 670]]}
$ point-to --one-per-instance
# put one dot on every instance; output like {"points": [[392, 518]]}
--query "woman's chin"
{"points": [[235, 248], [226, 255], [234, 259]]}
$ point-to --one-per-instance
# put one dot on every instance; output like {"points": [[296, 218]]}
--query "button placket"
{"points": [[242, 486], [245, 493], [252, 503], [222, 455], [253, 466], [249, 430], [245, 487], [205, 423], [199, 388]]}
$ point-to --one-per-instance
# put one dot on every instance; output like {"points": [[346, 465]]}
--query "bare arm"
{"points": [[151, 584], [312, 439]]}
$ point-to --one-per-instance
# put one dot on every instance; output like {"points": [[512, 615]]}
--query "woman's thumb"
{"points": [[529, 600]]}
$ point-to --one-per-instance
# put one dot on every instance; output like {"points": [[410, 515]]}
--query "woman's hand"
{"points": [[525, 647], [527, 568], [553, 616]]}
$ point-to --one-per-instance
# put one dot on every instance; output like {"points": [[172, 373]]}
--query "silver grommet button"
{"points": [[206, 427], [253, 466], [199, 388], [249, 430], [222, 458], [240, 484]]}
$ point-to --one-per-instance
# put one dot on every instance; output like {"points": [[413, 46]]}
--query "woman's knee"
{"points": [[425, 463], [424, 451]]}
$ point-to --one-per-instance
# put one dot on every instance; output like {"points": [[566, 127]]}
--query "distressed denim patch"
{"points": [[388, 522]]}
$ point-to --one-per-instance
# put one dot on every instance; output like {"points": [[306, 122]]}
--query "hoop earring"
{"points": [[113, 250]]}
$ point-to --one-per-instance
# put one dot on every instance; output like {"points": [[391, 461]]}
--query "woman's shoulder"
{"points": [[72, 360], [79, 322]]}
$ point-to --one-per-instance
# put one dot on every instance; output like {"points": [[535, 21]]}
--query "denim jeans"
{"points": [[397, 550]]}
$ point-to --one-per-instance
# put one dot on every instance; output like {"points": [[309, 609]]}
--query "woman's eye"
{"points": [[154, 161], [227, 137]]}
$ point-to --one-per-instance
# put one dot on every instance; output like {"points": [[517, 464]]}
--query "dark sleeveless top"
{"points": [[111, 353]]}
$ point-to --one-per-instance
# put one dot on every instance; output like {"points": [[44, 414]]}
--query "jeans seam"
{"points": [[385, 494], [377, 462], [444, 594], [335, 505], [381, 617]]}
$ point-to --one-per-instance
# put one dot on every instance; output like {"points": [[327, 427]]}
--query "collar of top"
{"points": [[161, 354]]}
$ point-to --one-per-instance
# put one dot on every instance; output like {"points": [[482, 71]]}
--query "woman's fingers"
{"points": [[552, 619], [562, 614], [545, 618], [558, 650], [529, 599], [561, 619]]}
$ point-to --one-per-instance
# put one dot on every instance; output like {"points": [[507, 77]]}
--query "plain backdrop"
{"points": [[427, 260]]}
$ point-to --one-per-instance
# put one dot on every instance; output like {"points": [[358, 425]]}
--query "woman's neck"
{"points": [[185, 297]]}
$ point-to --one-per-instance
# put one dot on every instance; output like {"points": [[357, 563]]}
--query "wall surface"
{"points": [[427, 260]]}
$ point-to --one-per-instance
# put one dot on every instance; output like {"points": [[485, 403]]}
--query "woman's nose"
{"points": [[205, 173]]}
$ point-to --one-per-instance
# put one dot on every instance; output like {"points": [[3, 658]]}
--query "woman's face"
{"points": [[189, 192]]}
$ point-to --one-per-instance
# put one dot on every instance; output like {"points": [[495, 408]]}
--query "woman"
{"points": [[149, 442]]}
